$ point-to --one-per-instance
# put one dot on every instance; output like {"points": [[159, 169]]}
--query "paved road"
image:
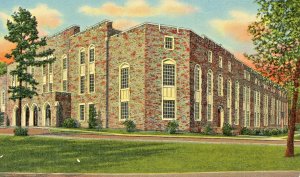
{"points": [[208, 174]]}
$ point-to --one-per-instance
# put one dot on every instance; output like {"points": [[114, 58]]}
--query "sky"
{"points": [[224, 21]]}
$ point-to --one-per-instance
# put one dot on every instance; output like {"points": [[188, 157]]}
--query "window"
{"points": [[44, 69], [50, 68], [92, 55], [65, 63], [124, 110], [169, 42], [81, 112], [50, 87], [65, 86], [256, 108], [220, 85], [169, 74], [229, 101], [229, 66], [82, 57], [209, 56], [92, 83], [198, 92], [124, 77], [209, 112], [266, 110], [3, 97], [237, 102], [209, 82], [169, 109], [220, 62], [82, 85]]}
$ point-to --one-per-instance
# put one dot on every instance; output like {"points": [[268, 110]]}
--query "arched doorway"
{"points": [[27, 114], [220, 116], [35, 116], [48, 116]]}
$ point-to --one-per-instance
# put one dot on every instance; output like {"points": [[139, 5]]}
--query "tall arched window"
{"points": [[237, 103], [198, 92], [229, 101], [209, 95], [124, 91], [91, 75], [169, 89], [220, 85], [82, 71], [65, 73]]}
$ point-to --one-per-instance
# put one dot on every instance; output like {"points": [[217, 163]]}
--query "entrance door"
{"points": [[48, 116]]}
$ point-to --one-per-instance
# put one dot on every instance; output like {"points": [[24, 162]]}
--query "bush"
{"points": [[208, 130], [130, 125], [245, 131], [19, 131], [256, 132], [7, 122], [285, 130], [1, 118], [297, 127], [267, 132], [275, 132], [172, 127], [227, 129], [70, 123]]}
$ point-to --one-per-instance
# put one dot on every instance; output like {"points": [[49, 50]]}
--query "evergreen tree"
{"points": [[276, 38], [92, 117], [22, 31]]}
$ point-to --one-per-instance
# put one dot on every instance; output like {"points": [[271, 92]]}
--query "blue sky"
{"points": [[224, 21]]}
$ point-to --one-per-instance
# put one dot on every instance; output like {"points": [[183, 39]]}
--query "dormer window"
{"points": [[169, 42]]}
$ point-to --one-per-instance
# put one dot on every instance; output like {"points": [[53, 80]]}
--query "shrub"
{"points": [[297, 127], [172, 127], [227, 129], [7, 122], [1, 118], [267, 132], [274, 131], [245, 131], [256, 132], [70, 123], [19, 131], [130, 125], [208, 130], [285, 130], [92, 117]]}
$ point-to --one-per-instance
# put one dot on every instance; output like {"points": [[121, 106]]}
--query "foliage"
{"points": [[172, 127], [227, 129], [297, 127], [208, 129], [275, 35], [92, 117], [70, 123], [264, 132], [19, 131], [3, 68], [130, 125], [7, 122], [22, 31]]}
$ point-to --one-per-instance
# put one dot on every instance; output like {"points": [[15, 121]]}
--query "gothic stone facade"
{"points": [[151, 74]]}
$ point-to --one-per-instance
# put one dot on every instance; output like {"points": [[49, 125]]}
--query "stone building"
{"points": [[152, 74]]}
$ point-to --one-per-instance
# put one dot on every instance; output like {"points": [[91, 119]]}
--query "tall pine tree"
{"points": [[22, 31]]}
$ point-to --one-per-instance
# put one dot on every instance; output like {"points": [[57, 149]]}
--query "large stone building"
{"points": [[152, 74]]}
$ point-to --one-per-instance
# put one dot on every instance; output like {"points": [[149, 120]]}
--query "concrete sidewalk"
{"points": [[204, 174]]}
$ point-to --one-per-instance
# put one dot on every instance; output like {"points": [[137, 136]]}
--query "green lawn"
{"points": [[34, 154]]}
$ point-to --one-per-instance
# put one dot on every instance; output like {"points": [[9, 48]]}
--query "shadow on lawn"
{"points": [[52, 155]]}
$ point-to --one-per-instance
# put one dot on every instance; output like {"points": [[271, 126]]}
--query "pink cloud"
{"points": [[235, 27], [123, 24], [5, 48], [140, 8], [240, 56]]}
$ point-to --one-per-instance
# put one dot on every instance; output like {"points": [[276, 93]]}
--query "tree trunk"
{"points": [[19, 123], [290, 141]]}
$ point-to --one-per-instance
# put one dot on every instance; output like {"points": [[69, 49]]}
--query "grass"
{"points": [[35, 154]]}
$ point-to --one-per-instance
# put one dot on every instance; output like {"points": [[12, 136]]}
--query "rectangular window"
{"points": [[65, 86], [220, 86], [209, 56], [50, 68], [124, 110], [169, 109], [197, 111], [82, 85], [169, 42], [169, 75], [82, 57], [3, 97], [124, 78], [92, 83], [81, 112], [209, 112], [229, 66], [50, 87], [209, 83], [220, 62], [65, 63], [44, 69], [92, 55]]}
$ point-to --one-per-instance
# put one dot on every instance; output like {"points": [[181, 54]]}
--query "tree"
{"points": [[275, 35], [2, 68], [22, 31], [92, 117]]}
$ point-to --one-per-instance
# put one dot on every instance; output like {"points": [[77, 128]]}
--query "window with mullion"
{"points": [[81, 112], [169, 42], [124, 78], [169, 75], [92, 55], [169, 109], [92, 83], [124, 110], [82, 85], [82, 57]]}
